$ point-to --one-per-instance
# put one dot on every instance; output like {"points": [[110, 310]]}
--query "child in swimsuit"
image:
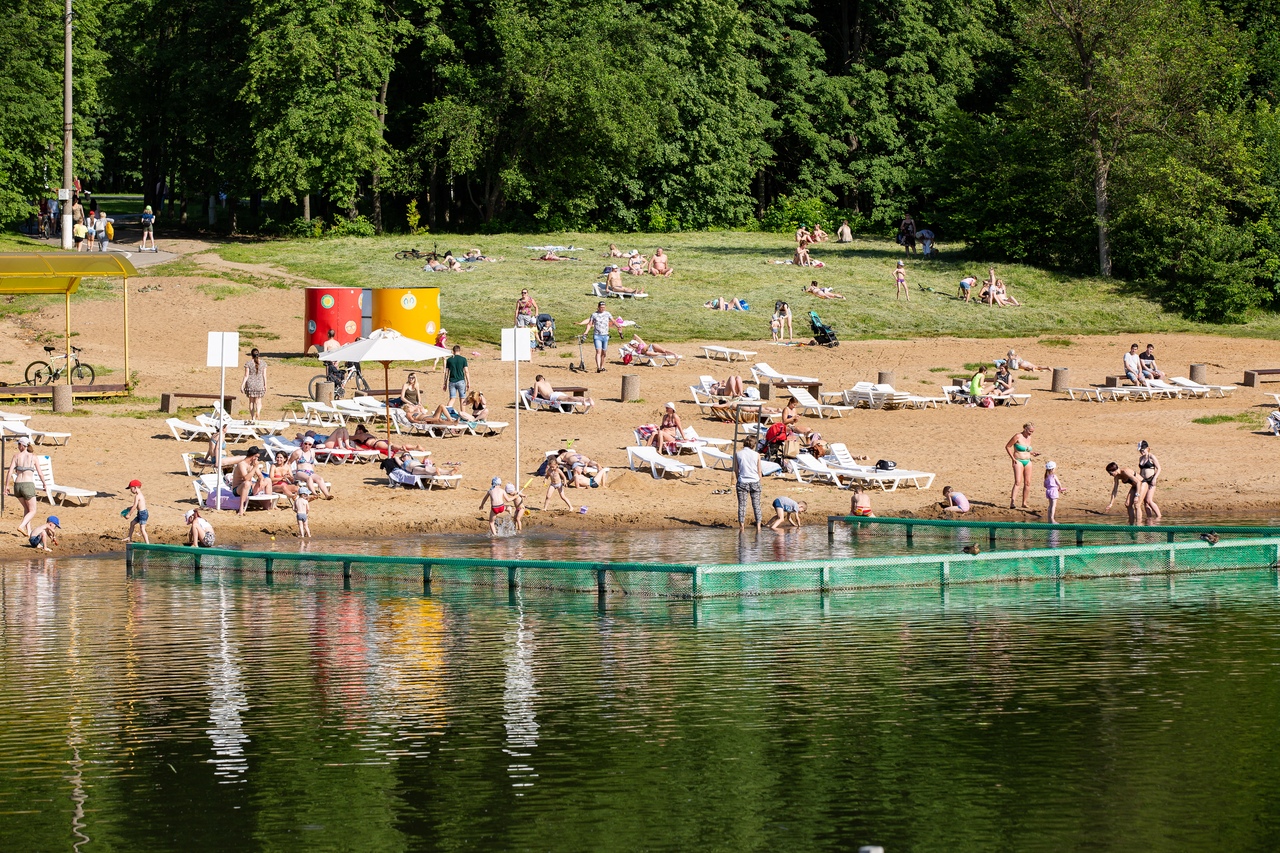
{"points": [[139, 509], [555, 484], [1052, 489], [300, 506], [860, 504], [42, 536], [496, 498]]}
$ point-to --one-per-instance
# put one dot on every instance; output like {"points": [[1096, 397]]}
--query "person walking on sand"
{"points": [[300, 507], [1132, 501], [457, 377], [1052, 489], [787, 511], [747, 475], [900, 276], [254, 384], [139, 510], [1149, 472], [1020, 454], [599, 323], [496, 498], [23, 470], [555, 484]]}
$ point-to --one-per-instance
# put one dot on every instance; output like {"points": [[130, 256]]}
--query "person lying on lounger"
{"points": [[822, 292], [419, 415], [367, 440], [731, 387], [638, 344], [542, 390], [425, 468]]}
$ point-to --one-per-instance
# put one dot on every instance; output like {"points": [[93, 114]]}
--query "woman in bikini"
{"points": [[638, 344], [280, 476], [1148, 472], [791, 416], [22, 476], [367, 440], [304, 468], [476, 403], [1021, 454], [669, 431], [1132, 502]]}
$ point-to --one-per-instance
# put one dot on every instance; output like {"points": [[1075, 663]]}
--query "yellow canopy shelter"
{"points": [[24, 273]]}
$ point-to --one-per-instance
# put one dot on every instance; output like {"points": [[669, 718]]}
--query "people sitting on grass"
{"points": [[996, 294], [658, 264], [613, 282], [818, 235], [722, 304], [844, 234], [815, 289], [636, 263]]}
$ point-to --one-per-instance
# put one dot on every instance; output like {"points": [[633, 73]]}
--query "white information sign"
{"points": [[224, 349], [516, 345]]}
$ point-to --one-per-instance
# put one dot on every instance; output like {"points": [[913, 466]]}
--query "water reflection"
{"points": [[519, 691], [227, 700]]}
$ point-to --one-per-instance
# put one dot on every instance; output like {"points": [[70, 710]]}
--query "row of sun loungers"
{"points": [[1176, 388]]}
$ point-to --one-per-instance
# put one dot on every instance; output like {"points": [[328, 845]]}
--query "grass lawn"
{"points": [[728, 264]]}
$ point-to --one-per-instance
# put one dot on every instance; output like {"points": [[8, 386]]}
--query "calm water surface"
{"points": [[164, 713]]}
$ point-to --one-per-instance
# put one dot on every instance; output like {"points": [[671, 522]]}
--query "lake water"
{"points": [[165, 713]]}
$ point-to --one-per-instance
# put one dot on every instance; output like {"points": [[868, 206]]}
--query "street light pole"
{"points": [[67, 177]]}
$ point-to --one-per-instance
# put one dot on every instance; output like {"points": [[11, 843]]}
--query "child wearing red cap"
{"points": [[140, 506]]}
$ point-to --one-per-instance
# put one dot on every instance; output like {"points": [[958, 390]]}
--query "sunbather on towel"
{"points": [[542, 390], [722, 304], [613, 282], [822, 292], [669, 431]]}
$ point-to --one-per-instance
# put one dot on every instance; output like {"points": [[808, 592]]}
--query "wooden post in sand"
{"points": [[630, 387]]}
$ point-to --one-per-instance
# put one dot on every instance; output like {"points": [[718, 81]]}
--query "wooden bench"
{"points": [[1251, 376], [169, 401]]}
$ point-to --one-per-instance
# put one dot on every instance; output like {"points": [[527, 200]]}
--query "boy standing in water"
{"points": [[496, 497], [517, 504], [300, 507], [139, 509]]}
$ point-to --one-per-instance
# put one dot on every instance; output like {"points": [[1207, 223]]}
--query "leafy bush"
{"points": [[360, 226], [787, 213], [414, 218]]}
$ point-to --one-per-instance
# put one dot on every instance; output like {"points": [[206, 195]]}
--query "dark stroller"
{"points": [[823, 334], [545, 335]]}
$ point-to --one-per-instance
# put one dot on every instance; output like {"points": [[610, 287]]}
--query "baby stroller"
{"points": [[823, 334], [546, 331]]}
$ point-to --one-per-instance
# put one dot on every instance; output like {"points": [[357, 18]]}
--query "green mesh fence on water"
{"points": [[699, 581], [1032, 534]]}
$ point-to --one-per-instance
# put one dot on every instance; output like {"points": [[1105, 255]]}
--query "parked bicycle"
{"points": [[44, 373], [339, 376], [415, 255]]}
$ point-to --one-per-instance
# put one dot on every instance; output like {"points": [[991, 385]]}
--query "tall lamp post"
{"points": [[67, 178]]}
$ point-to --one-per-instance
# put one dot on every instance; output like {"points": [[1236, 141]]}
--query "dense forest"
{"points": [[1125, 137]]}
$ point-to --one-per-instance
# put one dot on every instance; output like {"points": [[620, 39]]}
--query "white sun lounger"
{"points": [[205, 483], [885, 480], [1204, 390], [658, 464], [183, 431], [319, 414], [536, 404], [727, 353], [651, 359], [57, 493], [236, 430], [1099, 394], [354, 410], [14, 416], [601, 290], [808, 404], [37, 436], [817, 471], [763, 370]]}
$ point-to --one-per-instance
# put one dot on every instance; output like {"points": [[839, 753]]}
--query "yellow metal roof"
{"points": [[58, 272]]}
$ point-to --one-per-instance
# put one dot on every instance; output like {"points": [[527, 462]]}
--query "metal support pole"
{"points": [[512, 578], [68, 178], [602, 584], [426, 577]]}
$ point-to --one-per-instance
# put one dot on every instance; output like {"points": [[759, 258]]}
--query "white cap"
{"points": [[191, 513], [671, 406], [511, 488], [1050, 465], [496, 481], [23, 440]]}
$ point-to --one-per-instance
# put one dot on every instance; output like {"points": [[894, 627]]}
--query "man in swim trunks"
{"points": [[1132, 502], [542, 390], [496, 498], [658, 264]]}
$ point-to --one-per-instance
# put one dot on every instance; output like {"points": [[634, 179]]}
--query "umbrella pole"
{"points": [[386, 400]]}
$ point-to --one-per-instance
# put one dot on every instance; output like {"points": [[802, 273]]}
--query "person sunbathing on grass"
{"points": [[643, 348], [613, 282], [822, 292], [818, 235], [722, 304], [658, 264], [636, 262]]}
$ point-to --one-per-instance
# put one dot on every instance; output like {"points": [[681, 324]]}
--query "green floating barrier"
{"points": [[700, 581]]}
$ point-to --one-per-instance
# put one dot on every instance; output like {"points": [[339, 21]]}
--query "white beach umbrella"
{"points": [[386, 346]]}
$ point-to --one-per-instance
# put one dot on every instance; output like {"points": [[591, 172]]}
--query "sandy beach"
{"points": [[1208, 469]]}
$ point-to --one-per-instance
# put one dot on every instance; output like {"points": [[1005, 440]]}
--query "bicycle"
{"points": [[340, 377], [44, 373], [415, 255]]}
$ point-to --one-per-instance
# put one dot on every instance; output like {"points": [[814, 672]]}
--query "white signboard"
{"points": [[516, 345], [224, 349], [64, 194]]}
